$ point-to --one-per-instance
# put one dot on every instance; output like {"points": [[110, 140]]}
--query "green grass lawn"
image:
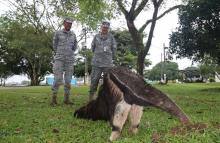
{"points": [[27, 117]]}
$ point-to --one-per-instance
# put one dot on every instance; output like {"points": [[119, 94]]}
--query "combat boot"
{"points": [[67, 100], [53, 100]]}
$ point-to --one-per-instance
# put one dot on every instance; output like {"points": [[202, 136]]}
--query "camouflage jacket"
{"points": [[64, 45], [103, 48]]}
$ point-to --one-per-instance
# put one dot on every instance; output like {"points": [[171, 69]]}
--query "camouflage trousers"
{"points": [[59, 68], [95, 77]]}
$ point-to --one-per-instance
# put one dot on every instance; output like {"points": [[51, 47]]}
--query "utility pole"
{"points": [[85, 59], [164, 54], [164, 62], [161, 69]]}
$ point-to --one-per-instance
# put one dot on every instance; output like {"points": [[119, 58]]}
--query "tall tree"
{"points": [[190, 73], [9, 58], [27, 49], [131, 10], [168, 68], [126, 54], [199, 32], [207, 67]]}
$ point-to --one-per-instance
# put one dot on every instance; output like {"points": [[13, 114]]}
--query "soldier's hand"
{"points": [[54, 53]]}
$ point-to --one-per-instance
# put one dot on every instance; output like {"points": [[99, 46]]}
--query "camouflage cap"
{"points": [[106, 24], [68, 19]]}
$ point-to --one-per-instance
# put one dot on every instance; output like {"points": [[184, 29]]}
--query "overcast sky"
{"points": [[163, 28]]}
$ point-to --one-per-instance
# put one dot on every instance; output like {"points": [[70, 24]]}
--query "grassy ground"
{"points": [[27, 117]]}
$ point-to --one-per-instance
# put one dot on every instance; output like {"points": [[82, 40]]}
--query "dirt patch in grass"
{"points": [[18, 130], [182, 130], [55, 130], [157, 137], [216, 125]]}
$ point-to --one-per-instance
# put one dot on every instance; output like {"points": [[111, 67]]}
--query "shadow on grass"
{"points": [[211, 90]]}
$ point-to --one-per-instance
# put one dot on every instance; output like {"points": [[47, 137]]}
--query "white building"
{"points": [[217, 77]]}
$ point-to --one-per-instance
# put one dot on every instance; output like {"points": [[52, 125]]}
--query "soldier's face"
{"points": [[104, 29], [67, 26]]}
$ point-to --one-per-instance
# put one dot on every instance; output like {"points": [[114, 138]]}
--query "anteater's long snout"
{"points": [[160, 100]]}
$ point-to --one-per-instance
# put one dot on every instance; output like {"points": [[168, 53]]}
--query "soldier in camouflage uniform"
{"points": [[103, 47], [64, 45]]}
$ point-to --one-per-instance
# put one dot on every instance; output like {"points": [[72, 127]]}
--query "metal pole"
{"points": [[164, 58], [164, 62], [161, 71], [85, 60], [164, 55]]}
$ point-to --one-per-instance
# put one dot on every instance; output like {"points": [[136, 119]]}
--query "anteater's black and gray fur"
{"points": [[124, 92]]}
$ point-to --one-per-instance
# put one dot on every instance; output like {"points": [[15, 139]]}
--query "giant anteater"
{"points": [[124, 92]]}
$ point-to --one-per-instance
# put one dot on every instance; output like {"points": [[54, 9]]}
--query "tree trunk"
{"points": [[140, 63], [34, 80], [137, 35], [137, 39]]}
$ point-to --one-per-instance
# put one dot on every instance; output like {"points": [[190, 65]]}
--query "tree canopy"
{"points": [[25, 50], [168, 68], [199, 32], [49, 13], [126, 54], [208, 67]]}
